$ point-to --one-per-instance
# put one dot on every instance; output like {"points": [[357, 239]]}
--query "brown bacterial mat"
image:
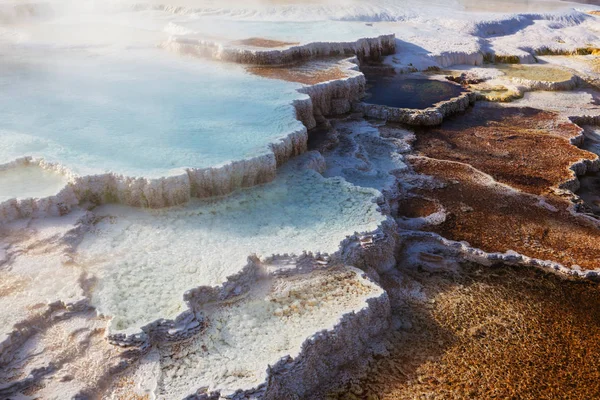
{"points": [[307, 73], [495, 218], [266, 43], [490, 333], [525, 148]]}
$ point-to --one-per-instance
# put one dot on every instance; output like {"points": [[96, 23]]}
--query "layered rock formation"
{"points": [[428, 117], [366, 49], [117, 303]]}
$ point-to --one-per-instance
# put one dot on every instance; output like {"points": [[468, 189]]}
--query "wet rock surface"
{"points": [[457, 259]]}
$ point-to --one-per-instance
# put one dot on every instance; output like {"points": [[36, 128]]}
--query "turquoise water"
{"points": [[138, 113], [146, 259]]}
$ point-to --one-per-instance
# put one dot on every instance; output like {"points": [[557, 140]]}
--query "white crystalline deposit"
{"points": [[31, 189], [438, 34], [65, 357], [345, 10], [364, 158], [267, 342], [442, 34], [367, 48], [466, 39], [554, 33], [298, 32], [426, 36], [423, 44], [24, 180], [145, 260], [586, 66], [578, 104], [34, 277]]}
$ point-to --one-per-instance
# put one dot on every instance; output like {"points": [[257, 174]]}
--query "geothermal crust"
{"points": [[428, 117], [311, 320], [365, 49], [325, 98]]}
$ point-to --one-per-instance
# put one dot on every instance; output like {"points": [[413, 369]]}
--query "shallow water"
{"points": [[534, 72], [139, 113], [29, 181], [146, 260], [399, 92]]}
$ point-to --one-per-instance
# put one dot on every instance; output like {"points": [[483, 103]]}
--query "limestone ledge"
{"points": [[449, 58], [327, 353], [372, 252], [365, 49], [518, 88], [161, 192], [427, 117], [583, 166], [327, 98], [530, 85], [582, 120], [517, 57], [58, 204], [336, 97], [465, 251], [322, 355], [529, 55], [580, 168]]}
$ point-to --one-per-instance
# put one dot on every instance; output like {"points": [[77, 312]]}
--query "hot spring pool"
{"points": [[400, 92], [139, 112]]}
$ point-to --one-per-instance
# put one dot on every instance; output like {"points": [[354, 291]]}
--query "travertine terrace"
{"points": [[299, 199]]}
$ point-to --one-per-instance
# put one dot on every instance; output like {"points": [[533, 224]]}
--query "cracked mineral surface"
{"points": [[299, 199]]}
